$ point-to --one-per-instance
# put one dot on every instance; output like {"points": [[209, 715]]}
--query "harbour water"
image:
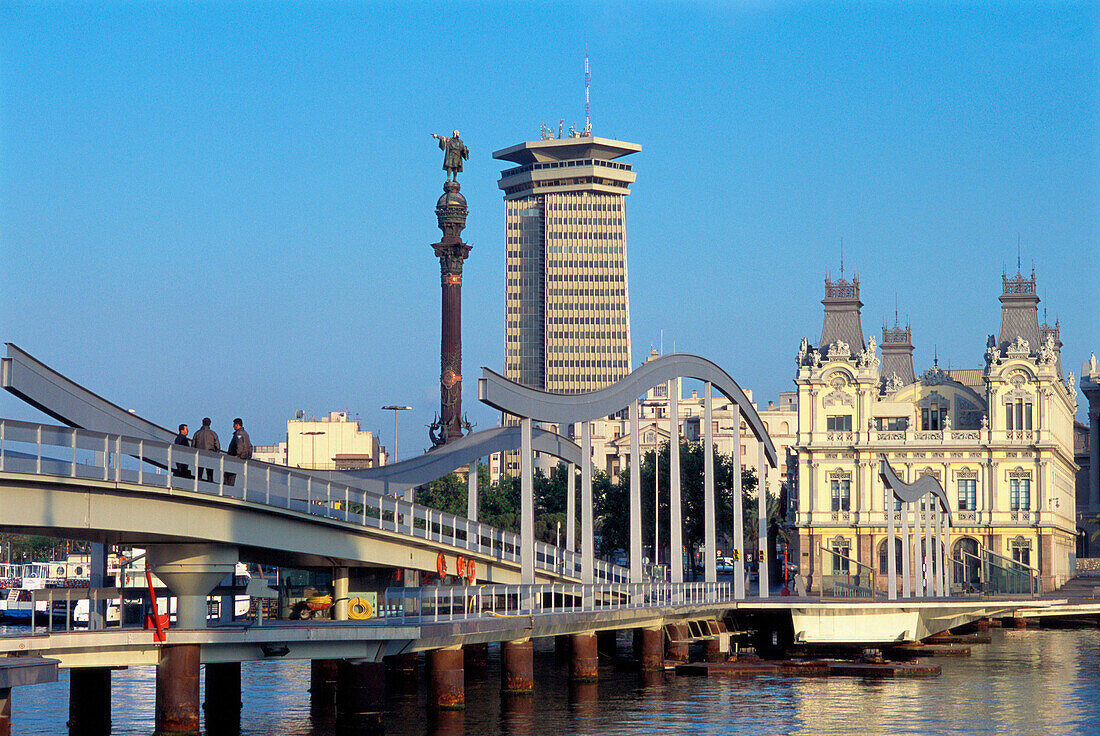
{"points": [[1030, 681]]}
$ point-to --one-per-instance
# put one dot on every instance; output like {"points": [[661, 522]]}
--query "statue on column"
{"points": [[454, 152]]}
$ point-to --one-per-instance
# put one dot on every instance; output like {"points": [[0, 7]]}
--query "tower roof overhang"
{"points": [[564, 149]]}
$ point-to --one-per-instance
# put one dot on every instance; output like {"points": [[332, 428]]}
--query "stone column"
{"points": [[471, 491], [710, 573], [322, 685], [649, 649], [1094, 452], [177, 698], [517, 666], [360, 696], [584, 658], [446, 685]]}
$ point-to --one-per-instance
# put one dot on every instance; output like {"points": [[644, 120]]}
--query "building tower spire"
{"points": [[897, 353], [842, 320], [1019, 310]]}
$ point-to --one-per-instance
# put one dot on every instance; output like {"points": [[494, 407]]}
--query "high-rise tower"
{"points": [[567, 313]]}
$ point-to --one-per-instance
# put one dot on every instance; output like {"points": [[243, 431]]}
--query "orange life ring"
{"points": [[441, 564], [471, 571], [460, 566]]}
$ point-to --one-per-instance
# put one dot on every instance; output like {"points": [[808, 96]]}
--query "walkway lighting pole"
{"points": [[394, 408], [312, 452]]}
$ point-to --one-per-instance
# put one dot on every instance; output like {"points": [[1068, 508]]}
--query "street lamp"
{"points": [[394, 408], [312, 452]]}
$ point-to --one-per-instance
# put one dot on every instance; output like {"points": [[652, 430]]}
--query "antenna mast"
{"points": [[587, 119]]}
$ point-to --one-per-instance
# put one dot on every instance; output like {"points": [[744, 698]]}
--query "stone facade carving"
{"points": [[934, 376], [839, 350], [867, 356], [838, 395], [893, 384], [1018, 350], [802, 350], [1048, 353]]}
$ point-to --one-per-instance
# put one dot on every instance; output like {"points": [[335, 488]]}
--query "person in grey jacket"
{"points": [[240, 446], [206, 439]]}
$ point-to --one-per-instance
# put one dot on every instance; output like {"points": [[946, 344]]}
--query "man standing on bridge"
{"points": [[182, 470], [207, 439], [240, 446]]}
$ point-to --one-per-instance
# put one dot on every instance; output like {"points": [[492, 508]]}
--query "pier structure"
{"points": [[105, 479]]}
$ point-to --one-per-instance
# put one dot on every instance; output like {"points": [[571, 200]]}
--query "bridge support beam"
{"points": [[649, 649], [517, 664], [5, 711], [191, 571], [177, 700], [446, 684], [676, 646], [322, 685], [223, 697], [360, 696], [89, 701], [584, 658]]}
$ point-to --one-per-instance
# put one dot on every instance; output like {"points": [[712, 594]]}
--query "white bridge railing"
{"points": [[458, 603], [44, 449]]}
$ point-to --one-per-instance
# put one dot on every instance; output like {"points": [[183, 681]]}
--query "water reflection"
{"points": [[1029, 681]]}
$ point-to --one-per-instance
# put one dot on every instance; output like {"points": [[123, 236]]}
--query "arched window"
{"points": [[883, 556]]}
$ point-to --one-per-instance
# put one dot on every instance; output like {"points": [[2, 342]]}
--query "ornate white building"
{"points": [[999, 440]]}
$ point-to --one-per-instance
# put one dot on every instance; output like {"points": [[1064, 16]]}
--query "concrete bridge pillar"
{"points": [[223, 697], [5, 711], [322, 685], [446, 684], [177, 700], [191, 571], [584, 659], [649, 649], [360, 696], [517, 666], [475, 656], [90, 701]]}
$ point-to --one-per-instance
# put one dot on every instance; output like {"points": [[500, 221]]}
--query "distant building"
{"points": [[999, 439], [329, 443], [567, 313]]}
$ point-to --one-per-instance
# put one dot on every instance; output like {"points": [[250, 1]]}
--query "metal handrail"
{"points": [[458, 603], [121, 459], [857, 589]]}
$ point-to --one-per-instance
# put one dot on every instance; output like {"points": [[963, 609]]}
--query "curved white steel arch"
{"points": [[514, 398]]}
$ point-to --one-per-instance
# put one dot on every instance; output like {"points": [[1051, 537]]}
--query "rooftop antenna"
{"points": [[842, 258], [895, 309], [1018, 253], [936, 356], [587, 119]]}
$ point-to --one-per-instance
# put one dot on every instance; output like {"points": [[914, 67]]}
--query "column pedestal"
{"points": [[89, 701], [517, 666], [446, 684], [322, 686], [360, 697], [584, 660], [649, 649], [177, 699]]}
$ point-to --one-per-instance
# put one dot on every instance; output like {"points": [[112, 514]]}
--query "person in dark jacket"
{"points": [[206, 439], [240, 447], [182, 469]]}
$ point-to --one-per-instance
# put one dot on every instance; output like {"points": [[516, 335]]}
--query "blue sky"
{"points": [[227, 208]]}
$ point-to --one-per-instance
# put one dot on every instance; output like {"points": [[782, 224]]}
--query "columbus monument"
{"points": [[450, 212]]}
